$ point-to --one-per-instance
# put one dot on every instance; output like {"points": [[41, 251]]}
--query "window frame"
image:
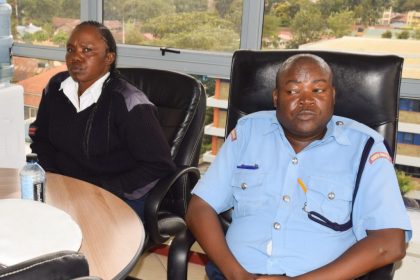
{"points": [[214, 64]]}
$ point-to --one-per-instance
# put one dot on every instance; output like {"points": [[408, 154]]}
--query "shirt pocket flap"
{"points": [[331, 189], [249, 178]]}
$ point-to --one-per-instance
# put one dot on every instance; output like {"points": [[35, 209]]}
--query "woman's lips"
{"points": [[76, 69]]}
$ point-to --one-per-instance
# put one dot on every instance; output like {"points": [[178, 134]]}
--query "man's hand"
{"points": [[204, 223]]}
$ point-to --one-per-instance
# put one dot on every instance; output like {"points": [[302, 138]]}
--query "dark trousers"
{"points": [[213, 273], [137, 205]]}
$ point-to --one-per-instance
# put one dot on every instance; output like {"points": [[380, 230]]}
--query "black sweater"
{"points": [[116, 143]]}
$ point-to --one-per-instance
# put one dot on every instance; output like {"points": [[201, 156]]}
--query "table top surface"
{"points": [[113, 234]]}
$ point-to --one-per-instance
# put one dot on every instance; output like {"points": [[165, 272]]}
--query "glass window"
{"points": [[410, 111], [182, 24], [33, 74], [343, 25], [44, 22]]}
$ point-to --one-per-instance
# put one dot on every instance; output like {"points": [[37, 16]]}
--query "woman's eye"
{"points": [[69, 50], [87, 49]]}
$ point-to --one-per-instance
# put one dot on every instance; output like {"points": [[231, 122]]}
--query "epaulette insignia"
{"points": [[32, 130], [233, 135], [379, 155]]}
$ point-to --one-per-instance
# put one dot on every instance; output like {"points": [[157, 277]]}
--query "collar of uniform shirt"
{"points": [[89, 97]]}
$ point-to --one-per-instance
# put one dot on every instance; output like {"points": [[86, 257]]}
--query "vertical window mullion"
{"points": [[91, 10], [252, 24]]}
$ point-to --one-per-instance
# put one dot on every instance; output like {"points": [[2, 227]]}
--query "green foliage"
{"points": [[133, 34], [271, 26], [369, 11], [387, 34], [307, 26], [185, 6], [416, 34], [404, 181], [60, 38], [406, 5], [328, 7], [40, 36], [285, 11], [403, 35], [223, 7], [196, 30], [40, 12], [28, 38], [137, 10], [341, 23], [234, 14]]}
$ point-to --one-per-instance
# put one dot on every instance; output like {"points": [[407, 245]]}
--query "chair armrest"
{"points": [[178, 255], [156, 195], [58, 265]]}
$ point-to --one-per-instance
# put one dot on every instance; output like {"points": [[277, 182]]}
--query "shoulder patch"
{"points": [[379, 155], [32, 130], [233, 136]]}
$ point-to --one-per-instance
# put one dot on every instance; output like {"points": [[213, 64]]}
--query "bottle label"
{"points": [[32, 190], [27, 187], [39, 193]]}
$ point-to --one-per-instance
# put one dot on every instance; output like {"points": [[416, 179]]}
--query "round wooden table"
{"points": [[113, 234]]}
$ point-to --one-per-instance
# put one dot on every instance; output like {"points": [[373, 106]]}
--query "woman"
{"points": [[95, 126]]}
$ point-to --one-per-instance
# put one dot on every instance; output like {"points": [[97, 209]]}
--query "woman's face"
{"points": [[87, 56]]}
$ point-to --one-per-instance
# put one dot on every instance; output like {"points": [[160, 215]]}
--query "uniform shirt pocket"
{"points": [[248, 192], [331, 198]]}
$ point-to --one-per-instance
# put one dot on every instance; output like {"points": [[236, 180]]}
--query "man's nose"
{"points": [[306, 97]]}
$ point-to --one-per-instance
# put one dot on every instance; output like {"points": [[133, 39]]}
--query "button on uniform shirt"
{"points": [[270, 187]]}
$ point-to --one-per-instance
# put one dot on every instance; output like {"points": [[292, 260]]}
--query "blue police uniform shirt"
{"points": [[256, 172]]}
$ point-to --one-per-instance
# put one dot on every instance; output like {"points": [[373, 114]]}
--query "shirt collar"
{"points": [[334, 129], [89, 97]]}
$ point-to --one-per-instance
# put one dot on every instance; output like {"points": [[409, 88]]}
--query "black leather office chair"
{"points": [[181, 102], [61, 265], [367, 90]]}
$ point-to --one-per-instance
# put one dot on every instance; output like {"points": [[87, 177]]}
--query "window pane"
{"points": [[342, 25], [44, 22], [182, 24]]}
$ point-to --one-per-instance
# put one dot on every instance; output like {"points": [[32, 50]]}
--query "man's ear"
{"points": [[274, 94], [110, 58], [333, 94]]}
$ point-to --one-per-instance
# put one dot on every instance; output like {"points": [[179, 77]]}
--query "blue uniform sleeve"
{"points": [[215, 186], [379, 203]]}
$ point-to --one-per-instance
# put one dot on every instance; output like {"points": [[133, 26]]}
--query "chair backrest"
{"points": [[367, 87], [367, 90], [181, 102]]}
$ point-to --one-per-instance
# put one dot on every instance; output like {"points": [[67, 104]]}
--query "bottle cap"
{"points": [[31, 157]]}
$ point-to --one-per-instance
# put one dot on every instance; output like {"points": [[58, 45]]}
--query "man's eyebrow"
{"points": [[319, 80], [293, 81]]}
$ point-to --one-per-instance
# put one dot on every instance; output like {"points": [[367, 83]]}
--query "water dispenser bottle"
{"points": [[6, 43]]}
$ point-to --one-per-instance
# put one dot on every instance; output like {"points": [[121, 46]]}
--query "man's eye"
{"points": [[293, 91], [69, 50], [87, 50], [318, 90]]}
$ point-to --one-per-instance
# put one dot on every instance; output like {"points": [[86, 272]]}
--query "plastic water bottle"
{"points": [[6, 43], [32, 179]]}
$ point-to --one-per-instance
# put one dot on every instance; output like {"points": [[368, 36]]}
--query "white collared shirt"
{"points": [[89, 97]]}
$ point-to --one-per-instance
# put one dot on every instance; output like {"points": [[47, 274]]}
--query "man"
{"points": [[290, 175]]}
